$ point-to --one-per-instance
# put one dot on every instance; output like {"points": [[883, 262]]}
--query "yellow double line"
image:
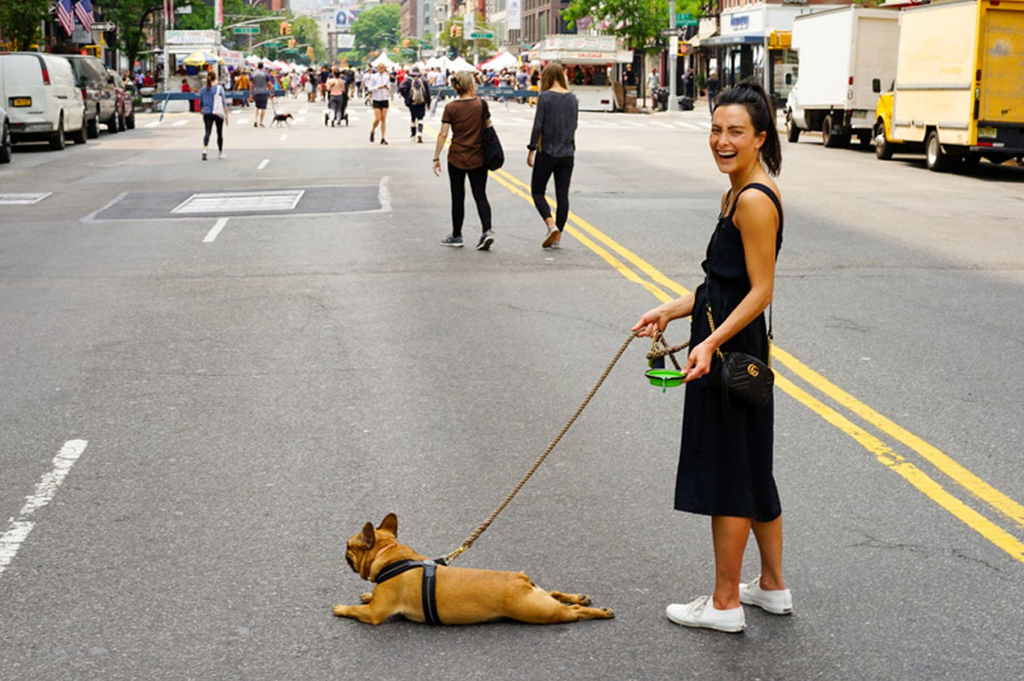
{"points": [[991, 498]]}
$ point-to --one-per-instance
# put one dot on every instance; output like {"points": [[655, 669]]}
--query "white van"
{"points": [[42, 102]]}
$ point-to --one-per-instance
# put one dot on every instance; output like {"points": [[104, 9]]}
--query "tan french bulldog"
{"points": [[463, 595]]}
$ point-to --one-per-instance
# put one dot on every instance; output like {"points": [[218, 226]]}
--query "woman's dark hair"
{"points": [[752, 96]]}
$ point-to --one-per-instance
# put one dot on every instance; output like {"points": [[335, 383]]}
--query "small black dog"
{"points": [[281, 118]]}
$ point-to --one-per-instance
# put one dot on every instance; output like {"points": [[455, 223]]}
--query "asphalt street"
{"points": [[213, 373]]}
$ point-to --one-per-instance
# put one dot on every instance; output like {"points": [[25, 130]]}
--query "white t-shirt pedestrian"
{"points": [[373, 83]]}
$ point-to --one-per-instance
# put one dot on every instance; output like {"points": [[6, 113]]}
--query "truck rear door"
{"points": [[1002, 45]]}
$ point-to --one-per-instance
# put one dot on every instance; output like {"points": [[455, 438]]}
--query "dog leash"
{"points": [[471, 539]]}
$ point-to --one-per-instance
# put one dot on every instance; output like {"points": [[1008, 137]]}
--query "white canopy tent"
{"points": [[460, 64], [383, 59], [502, 60]]}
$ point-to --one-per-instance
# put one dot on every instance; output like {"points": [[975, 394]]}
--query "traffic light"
{"points": [[286, 28], [458, 30], [292, 43]]}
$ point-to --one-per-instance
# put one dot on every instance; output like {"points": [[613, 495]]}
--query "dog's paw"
{"points": [[609, 612], [339, 610], [366, 597], [585, 600]]}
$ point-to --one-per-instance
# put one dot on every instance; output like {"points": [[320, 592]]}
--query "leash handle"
{"points": [[471, 539]]}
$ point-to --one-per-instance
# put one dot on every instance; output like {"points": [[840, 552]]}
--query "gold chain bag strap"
{"points": [[741, 374]]}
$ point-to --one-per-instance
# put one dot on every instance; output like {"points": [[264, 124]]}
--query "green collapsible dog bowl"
{"points": [[665, 378]]}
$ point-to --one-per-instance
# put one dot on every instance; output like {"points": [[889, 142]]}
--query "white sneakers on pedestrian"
{"points": [[778, 602], [702, 613]]}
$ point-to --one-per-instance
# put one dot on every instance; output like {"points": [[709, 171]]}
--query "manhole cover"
{"points": [[22, 199], [233, 202]]}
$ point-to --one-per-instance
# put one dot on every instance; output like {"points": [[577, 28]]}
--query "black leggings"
{"points": [[478, 183], [208, 120], [543, 166]]}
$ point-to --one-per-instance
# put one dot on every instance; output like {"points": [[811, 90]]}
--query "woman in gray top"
{"points": [[554, 142]]}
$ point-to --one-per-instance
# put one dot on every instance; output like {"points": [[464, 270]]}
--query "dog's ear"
{"points": [[368, 538], [389, 524]]}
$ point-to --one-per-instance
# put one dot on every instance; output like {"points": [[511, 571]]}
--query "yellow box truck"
{"points": [[959, 89]]}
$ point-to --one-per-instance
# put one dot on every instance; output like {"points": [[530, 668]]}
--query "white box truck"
{"points": [[843, 53], [959, 91]]}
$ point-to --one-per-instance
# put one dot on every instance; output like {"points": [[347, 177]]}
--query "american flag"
{"points": [[64, 16], [83, 10]]}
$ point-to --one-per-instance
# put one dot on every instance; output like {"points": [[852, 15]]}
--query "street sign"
{"points": [[103, 26], [481, 35], [671, 32], [685, 19], [246, 30]]}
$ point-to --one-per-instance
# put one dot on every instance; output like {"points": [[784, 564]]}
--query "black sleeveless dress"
{"points": [[725, 460]]}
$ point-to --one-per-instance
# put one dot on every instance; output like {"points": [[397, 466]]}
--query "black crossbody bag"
{"points": [[743, 375]]}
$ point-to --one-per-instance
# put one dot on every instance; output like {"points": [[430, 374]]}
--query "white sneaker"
{"points": [[702, 613], [222, 155], [778, 602]]}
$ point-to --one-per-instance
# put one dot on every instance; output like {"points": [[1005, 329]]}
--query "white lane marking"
{"points": [[664, 125], [21, 526], [689, 126], [215, 231], [177, 123], [384, 194], [284, 137], [300, 120], [304, 111], [241, 121], [153, 124], [263, 164]]}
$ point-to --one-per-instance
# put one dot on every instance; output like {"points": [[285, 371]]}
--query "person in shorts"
{"points": [[261, 93], [379, 87]]}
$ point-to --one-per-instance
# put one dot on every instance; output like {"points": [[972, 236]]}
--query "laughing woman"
{"points": [[725, 463]]}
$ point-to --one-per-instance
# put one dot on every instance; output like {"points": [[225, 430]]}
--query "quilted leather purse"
{"points": [[742, 374]]}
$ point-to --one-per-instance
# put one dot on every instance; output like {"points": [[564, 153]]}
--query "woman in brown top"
{"points": [[465, 117]]}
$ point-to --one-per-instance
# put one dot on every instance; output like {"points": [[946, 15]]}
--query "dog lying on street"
{"points": [[281, 118], [411, 585]]}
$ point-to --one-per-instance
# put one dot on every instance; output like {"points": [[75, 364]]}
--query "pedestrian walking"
{"points": [[379, 86], [214, 106], [465, 117], [415, 90], [712, 86], [337, 90], [359, 82], [261, 92], [243, 86], [725, 463], [553, 140], [653, 81]]}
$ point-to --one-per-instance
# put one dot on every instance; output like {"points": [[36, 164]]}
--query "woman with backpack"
{"points": [[215, 111], [416, 92]]}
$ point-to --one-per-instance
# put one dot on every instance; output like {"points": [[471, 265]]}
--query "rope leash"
{"points": [[487, 523]]}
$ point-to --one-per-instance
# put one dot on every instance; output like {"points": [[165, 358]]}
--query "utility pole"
{"points": [[673, 58]]}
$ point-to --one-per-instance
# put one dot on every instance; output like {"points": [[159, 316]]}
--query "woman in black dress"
{"points": [[725, 463]]}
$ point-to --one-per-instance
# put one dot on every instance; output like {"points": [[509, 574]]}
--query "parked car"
{"points": [[125, 102], [42, 100], [98, 92], [5, 137]]}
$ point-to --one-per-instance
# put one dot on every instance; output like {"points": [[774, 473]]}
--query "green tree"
{"points": [[462, 44], [20, 21], [377, 28], [637, 22], [306, 32], [131, 18]]}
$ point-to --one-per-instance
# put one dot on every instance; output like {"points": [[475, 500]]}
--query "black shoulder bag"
{"points": [[744, 375], [494, 155]]}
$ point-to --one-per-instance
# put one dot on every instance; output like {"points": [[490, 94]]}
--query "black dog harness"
{"points": [[429, 582]]}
